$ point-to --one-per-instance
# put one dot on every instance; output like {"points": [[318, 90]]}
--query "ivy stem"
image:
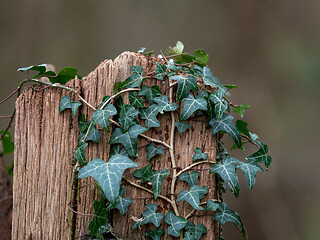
{"points": [[117, 94], [186, 64], [147, 190], [249, 140], [192, 165]]}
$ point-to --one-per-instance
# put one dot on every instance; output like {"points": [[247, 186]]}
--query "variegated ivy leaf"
{"points": [[211, 206], [182, 126], [143, 173], [150, 92], [196, 231], [227, 172], [177, 223], [210, 80], [226, 124], [249, 170], [225, 214], [150, 215], [164, 105], [193, 196], [108, 174], [261, 155], [65, 103], [220, 105], [150, 115], [190, 105], [153, 151], [127, 117], [100, 216], [93, 135], [135, 100], [156, 234], [135, 78], [115, 150], [199, 155], [102, 116], [160, 71], [156, 179], [185, 84], [128, 139], [191, 179]]}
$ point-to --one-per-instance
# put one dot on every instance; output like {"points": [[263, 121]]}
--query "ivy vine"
{"points": [[201, 93]]}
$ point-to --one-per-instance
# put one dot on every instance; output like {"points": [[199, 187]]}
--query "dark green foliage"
{"points": [[156, 234], [135, 78], [150, 215], [150, 115], [199, 155], [7, 143], [196, 231], [185, 84], [193, 196], [191, 179], [150, 92], [182, 126], [100, 218], [261, 155], [176, 224], [153, 151]]}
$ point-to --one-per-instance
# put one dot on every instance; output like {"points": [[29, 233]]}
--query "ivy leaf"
{"points": [[171, 66], [201, 57], [153, 151], [196, 231], [93, 135], [100, 216], [80, 154], [82, 123], [150, 216], [199, 155], [41, 68], [177, 223], [156, 234], [141, 50], [188, 236], [210, 80], [250, 170], [191, 179], [135, 101], [150, 115], [225, 214], [127, 117], [102, 116], [241, 109], [135, 78], [74, 107], [182, 126], [220, 105], [226, 124], [164, 105], [123, 204], [115, 150], [150, 92], [143, 173], [253, 136], [261, 155], [211, 206], [128, 139], [178, 49], [64, 103], [108, 174], [190, 105], [185, 84], [242, 126], [7, 143], [193, 196], [227, 172], [230, 86], [64, 75], [160, 71], [156, 179]]}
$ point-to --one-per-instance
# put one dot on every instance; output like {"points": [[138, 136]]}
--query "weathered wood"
{"points": [[45, 140]]}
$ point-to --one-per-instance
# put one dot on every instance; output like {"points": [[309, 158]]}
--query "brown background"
{"points": [[269, 48]]}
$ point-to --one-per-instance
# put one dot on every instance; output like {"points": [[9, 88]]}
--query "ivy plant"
{"points": [[198, 92]]}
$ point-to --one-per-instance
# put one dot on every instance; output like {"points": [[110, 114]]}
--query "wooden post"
{"points": [[45, 142]]}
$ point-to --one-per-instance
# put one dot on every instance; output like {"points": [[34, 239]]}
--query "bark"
{"points": [[45, 142]]}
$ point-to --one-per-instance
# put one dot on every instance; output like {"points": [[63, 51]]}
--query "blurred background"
{"points": [[271, 49]]}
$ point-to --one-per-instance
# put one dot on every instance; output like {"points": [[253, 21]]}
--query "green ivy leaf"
{"points": [[150, 92], [182, 126], [253, 136], [135, 101], [7, 143], [177, 223], [220, 105], [64, 103], [123, 204], [199, 155], [149, 216], [178, 49], [150, 115], [128, 139], [201, 57], [93, 135], [188, 236], [196, 231], [227, 172], [225, 214], [104, 229], [164, 105], [185, 84], [261, 155], [242, 126], [156, 234], [226, 124], [74, 107], [102, 116], [241, 109], [82, 123], [41, 68], [191, 179], [127, 117], [230, 86], [193, 196], [143, 173], [108, 174], [64, 75], [156, 179], [80, 154], [249, 170], [171, 66], [210, 80], [104, 100], [135, 78], [115, 150], [184, 58], [100, 216], [190, 105], [153, 151], [160, 71], [211, 206]]}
